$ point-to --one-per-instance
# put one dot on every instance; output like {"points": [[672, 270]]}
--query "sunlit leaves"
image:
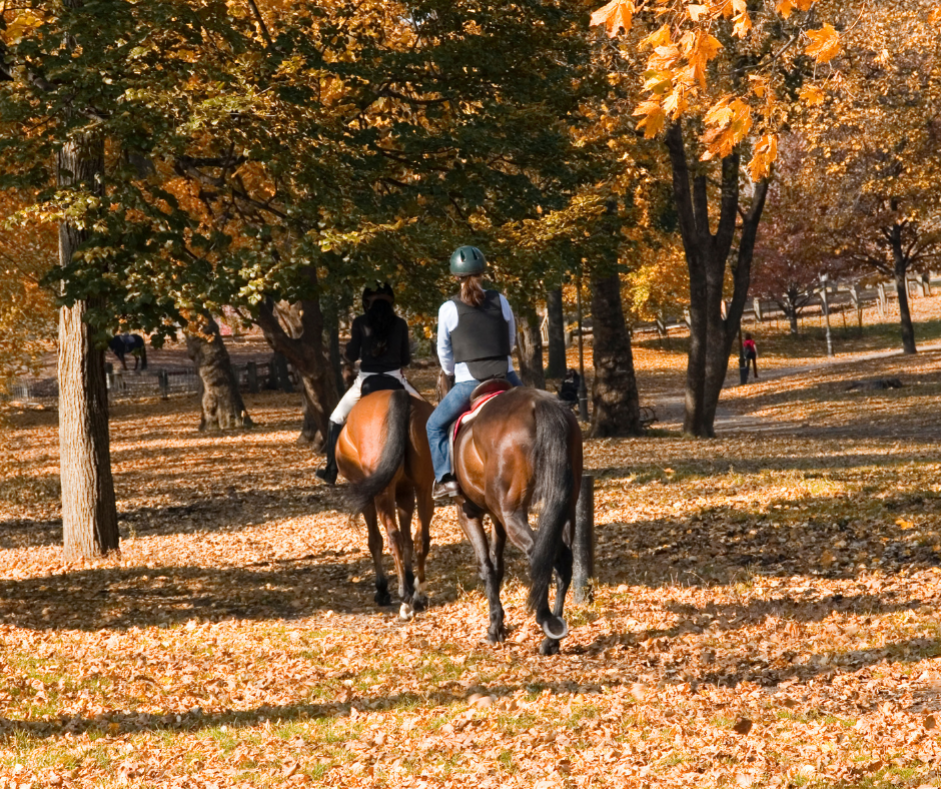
{"points": [[812, 94], [614, 17], [730, 120], [825, 44], [685, 49], [766, 151]]}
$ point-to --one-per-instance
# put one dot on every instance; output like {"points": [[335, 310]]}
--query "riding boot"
{"points": [[329, 473]]}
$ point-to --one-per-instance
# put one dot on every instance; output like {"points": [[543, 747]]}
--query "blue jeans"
{"points": [[453, 405]]}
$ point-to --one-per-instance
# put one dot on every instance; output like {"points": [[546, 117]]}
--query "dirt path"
{"points": [[731, 418]]}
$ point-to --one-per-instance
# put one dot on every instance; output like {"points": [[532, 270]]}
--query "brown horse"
{"points": [[383, 451], [522, 447]]}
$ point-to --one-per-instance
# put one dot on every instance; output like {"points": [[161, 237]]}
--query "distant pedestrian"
{"points": [[749, 348]]}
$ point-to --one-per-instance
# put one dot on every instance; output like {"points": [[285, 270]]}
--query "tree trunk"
{"points": [[711, 335], [332, 319], [790, 308], [297, 331], [89, 513], [221, 406], [615, 409], [556, 363], [530, 347], [900, 265]]}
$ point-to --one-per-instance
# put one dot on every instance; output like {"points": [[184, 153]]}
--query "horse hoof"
{"points": [[550, 647], [561, 629], [419, 602], [383, 599], [406, 612], [495, 639]]}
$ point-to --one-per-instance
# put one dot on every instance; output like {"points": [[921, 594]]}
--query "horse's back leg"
{"points": [[426, 507], [471, 521], [375, 538], [405, 506], [563, 567], [386, 512]]}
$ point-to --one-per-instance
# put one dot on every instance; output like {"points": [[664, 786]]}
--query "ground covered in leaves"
{"points": [[766, 612]]}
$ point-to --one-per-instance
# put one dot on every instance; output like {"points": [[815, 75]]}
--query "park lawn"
{"points": [[766, 613], [661, 370]]}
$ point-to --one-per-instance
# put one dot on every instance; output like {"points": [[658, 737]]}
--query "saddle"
{"points": [[379, 382], [480, 395]]}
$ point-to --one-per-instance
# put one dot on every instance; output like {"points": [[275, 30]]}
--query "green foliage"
{"points": [[367, 140]]}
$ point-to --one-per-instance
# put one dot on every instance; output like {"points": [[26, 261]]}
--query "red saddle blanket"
{"points": [[475, 407]]}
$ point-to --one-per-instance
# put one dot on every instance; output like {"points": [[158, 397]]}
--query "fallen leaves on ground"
{"points": [[766, 614]]}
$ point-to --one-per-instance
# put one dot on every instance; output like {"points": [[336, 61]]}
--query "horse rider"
{"points": [[476, 336], [380, 340]]}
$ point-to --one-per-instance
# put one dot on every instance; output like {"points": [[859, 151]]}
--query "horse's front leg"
{"points": [[471, 520], [375, 538]]}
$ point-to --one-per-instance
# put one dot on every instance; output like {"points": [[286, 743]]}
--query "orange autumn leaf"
{"points": [[765, 154], [614, 17], [653, 120], [825, 44], [811, 95]]}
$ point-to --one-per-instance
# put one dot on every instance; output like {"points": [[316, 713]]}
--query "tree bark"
{"points": [[297, 331], [221, 405], [900, 266], [791, 312], [530, 347], [89, 513], [556, 362], [711, 335], [332, 318], [615, 408]]}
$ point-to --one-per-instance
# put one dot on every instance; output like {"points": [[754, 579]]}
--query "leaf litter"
{"points": [[766, 614]]}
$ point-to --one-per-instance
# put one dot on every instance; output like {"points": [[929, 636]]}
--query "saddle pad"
{"points": [[475, 408], [467, 417]]}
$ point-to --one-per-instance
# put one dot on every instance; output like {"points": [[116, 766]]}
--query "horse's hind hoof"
{"points": [[419, 602], [406, 612], [550, 647], [555, 627], [383, 599]]}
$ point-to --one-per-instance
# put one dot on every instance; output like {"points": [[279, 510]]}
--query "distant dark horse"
{"points": [[522, 447], [125, 344]]}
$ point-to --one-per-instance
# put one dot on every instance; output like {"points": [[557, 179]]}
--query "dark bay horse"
{"points": [[125, 344], [383, 451], [522, 447]]}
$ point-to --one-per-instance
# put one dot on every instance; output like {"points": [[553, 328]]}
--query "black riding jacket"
{"points": [[395, 356]]}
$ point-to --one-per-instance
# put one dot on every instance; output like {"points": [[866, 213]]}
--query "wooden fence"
{"points": [[160, 382]]}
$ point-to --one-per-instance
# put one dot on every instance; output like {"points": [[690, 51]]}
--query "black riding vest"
{"points": [[481, 339]]}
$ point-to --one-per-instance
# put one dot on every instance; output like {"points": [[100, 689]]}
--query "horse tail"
{"points": [[359, 495], [554, 487], [143, 353]]}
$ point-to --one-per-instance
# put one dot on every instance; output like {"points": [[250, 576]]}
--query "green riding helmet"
{"points": [[467, 261]]}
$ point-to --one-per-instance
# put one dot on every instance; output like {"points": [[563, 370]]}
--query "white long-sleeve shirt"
{"points": [[448, 321]]}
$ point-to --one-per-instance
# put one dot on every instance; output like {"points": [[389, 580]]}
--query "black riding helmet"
{"points": [[385, 290], [467, 261]]}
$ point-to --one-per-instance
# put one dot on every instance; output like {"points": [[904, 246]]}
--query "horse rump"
{"points": [[359, 495]]}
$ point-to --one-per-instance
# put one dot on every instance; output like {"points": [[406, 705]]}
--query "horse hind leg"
{"points": [[550, 645], [408, 587], [426, 507], [376, 549], [473, 527], [386, 511]]}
